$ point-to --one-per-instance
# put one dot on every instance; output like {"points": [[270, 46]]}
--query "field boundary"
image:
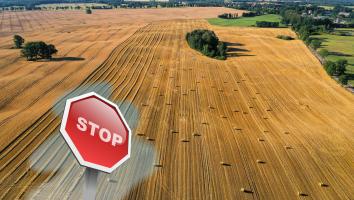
{"points": [[348, 87]]}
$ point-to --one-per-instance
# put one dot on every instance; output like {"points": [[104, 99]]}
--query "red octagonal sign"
{"points": [[96, 132]]}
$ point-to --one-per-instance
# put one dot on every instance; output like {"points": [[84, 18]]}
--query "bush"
{"points": [[330, 68], [323, 52], [207, 43], [315, 44], [249, 14], [18, 41], [343, 79], [267, 24], [88, 11], [38, 50], [340, 66], [285, 37]]}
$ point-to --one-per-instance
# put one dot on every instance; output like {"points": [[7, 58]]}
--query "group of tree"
{"points": [[307, 21], [38, 50], [266, 24], [314, 43], [206, 42], [34, 50], [337, 69], [257, 8], [228, 16], [249, 14]]}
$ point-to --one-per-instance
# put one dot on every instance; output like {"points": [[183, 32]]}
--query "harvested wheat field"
{"points": [[267, 123]]}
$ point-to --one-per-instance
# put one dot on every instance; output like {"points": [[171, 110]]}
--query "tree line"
{"points": [[337, 69], [266, 24], [206, 42], [306, 27], [307, 21], [228, 16], [34, 50]]}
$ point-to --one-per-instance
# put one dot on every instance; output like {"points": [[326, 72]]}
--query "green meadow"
{"points": [[340, 47], [244, 21]]}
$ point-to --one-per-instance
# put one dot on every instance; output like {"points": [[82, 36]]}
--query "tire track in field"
{"points": [[57, 124], [55, 85], [3, 153], [133, 85]]}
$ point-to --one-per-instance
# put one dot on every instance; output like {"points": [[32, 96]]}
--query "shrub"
{"points": [[340, 66], [315, 44], [18, 41], [38, 50], [88, 11], [267, 24], [307, 40], [249, 14], [323, 52], [330, 68], [285, 37], [343, 79], [207, 43]]}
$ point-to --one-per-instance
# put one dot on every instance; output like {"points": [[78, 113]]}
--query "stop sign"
{"points": [[96, 132]]}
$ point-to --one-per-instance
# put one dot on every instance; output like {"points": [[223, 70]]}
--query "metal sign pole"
{"points": [[90, 184]]}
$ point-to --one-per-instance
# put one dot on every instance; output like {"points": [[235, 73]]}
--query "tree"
{"points": [[18, 41], [88, 11], [29, 51], [267, 24], [343, 79], [38, 50], [207, 43], [330, 68], [324, 53], [304, 32], [341, 66], [50, 51], [315, 44]]}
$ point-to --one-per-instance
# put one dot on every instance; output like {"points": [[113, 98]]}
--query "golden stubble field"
{"points": [[268, 119]]}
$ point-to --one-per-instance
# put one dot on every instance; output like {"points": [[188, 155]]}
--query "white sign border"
{"points": [[73, 147]]}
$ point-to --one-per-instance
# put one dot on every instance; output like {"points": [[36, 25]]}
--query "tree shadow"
{"points": [[322, 40], [333, 53], [350, 76], [233, 50], [233, 44], [67, 59], [237, 55]]}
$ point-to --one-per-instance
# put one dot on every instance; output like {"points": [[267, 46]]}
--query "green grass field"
{"points": [[244, 21], [340, 47], [327, 7]]}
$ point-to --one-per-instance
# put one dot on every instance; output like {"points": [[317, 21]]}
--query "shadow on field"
{"points": [[233, 50], [339, 54], [350, 76], [67, 59]]}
